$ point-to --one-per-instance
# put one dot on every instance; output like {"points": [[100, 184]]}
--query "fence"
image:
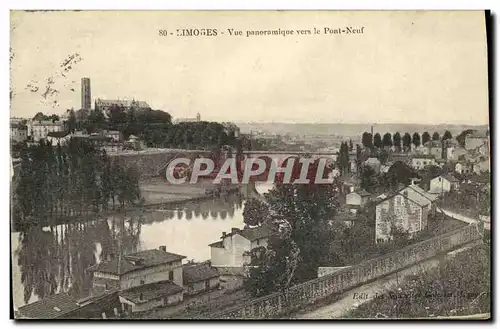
{"points": [[317, 289]]}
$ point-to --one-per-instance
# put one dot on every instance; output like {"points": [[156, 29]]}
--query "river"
{"points": [[49, 260]]}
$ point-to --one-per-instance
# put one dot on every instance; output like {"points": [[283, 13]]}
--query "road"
{"points": [[357, 296], [464, 218]]}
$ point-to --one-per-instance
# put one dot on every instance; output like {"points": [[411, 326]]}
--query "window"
{"points": [[257, 242], [142, 281], [171, 275]]}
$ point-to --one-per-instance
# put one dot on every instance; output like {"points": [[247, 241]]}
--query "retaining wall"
{"points": [[312, 291]]}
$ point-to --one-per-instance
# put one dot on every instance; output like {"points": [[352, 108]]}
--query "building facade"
{"points": [[18, 132], [200, 278], [232, 249], [406, 210], [419, 162], [40, 129]]}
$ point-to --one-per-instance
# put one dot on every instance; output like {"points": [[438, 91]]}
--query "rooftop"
{"points": [[146, 292], [47, 123], [58, 134], [124, 103], [50, 307], [423, 156], [362, 192], [136, 261], [198, 272], [448, 177], [417, 195]]}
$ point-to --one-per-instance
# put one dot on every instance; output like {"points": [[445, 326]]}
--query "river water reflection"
{"points": [[53, 259]]}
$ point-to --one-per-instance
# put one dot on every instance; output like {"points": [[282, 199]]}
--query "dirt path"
{"points": [[357, 296]]}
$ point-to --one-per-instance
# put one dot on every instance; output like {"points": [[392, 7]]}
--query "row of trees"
{"points": [[76, 179], [400, 142]]}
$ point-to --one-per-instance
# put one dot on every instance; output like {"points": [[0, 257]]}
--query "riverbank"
{"points": [[155, 194]]}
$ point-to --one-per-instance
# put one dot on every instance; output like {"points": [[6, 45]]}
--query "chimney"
{"points": [[162, 248], [223, 234], [234, 230]]}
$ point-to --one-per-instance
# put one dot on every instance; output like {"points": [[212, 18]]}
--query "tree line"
{"points": [[401, 142], [71, 180], [155, 127]]}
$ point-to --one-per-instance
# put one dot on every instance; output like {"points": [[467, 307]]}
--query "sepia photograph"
{"points": [[250, 165]]}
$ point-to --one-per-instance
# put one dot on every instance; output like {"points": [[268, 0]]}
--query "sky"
{"points": [[406, 67]]}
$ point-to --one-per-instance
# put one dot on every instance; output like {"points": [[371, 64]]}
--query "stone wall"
{"points": [[315, 290], [151, 164]]}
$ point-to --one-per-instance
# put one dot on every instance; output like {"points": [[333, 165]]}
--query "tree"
{"points": [[463, 135], [351, 145], [367, 140], [301, 232], [369, 178], [71, 121], [435, 136], [343, 158], [425, 137], [416, 139], [447, 135], [387, 140], [377, 140], [397, 141], [39, 116], [407, 141]]}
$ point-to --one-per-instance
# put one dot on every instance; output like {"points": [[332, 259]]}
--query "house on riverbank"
{"points": [[232, 249], [144, 280], [198, 278]]}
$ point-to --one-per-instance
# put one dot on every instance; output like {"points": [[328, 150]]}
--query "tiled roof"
{"points": [[149, 258], [218, 244], [50, 307], [417, 195], [423, 156], [450, 178], [58, 134], [372, 161], [146, 292], [198, 272], [255, 233], [47, 123], [362, 192]]}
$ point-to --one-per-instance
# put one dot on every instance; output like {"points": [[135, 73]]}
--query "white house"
{"points": [[58, 137], [374, 163], [40, 129], [475, 140], [443, 184], [357, 199], [463, 167], [232, 249], [419, 162]]}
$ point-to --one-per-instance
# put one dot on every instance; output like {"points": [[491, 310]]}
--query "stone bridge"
{"points": [[153, 162]]}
